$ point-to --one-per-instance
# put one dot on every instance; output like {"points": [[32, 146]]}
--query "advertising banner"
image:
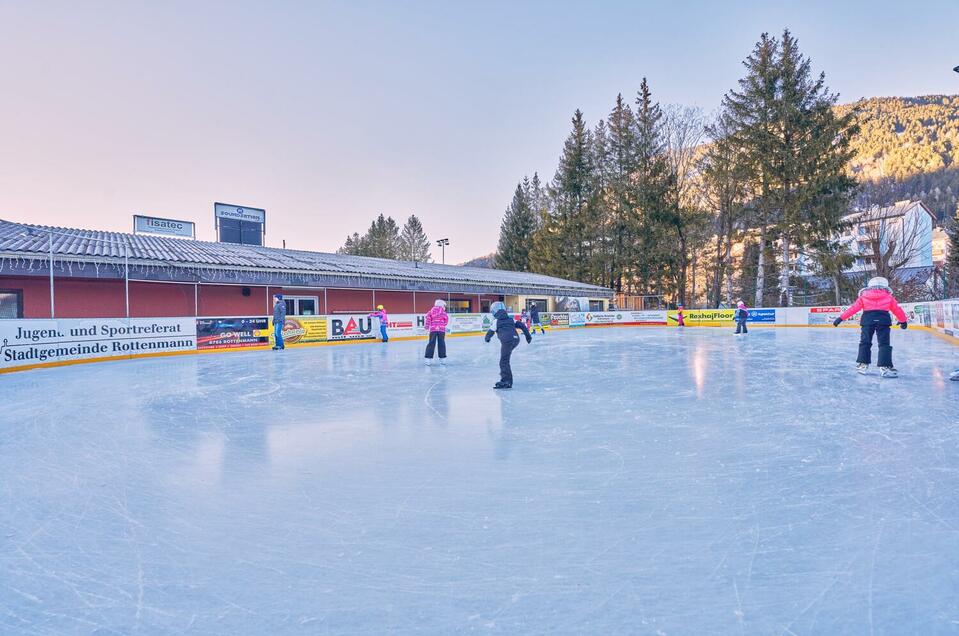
{"points": [[600, 318], [828, 315], [920, 314], [577, 319], [572, 304], [555, 319], [302, 330], [352, 327], [761, 315], [465, 323], [29, 342], [231, 333], [703, 317], [650, 317]]}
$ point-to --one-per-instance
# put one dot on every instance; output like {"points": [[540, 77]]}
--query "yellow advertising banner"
{"points": [[302, 329], [702, 317]]}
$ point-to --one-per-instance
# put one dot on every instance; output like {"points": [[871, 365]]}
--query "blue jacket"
{"points": [[506, 328]]}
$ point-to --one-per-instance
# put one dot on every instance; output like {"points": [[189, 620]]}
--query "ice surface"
{"points": [[633, 481]]}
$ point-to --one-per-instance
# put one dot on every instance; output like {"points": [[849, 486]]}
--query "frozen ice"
{"points": [[633, 481]]}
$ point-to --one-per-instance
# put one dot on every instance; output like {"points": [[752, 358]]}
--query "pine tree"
{"points": [[353, 245], [565, 240], [952, 262], [414, 244], [620, 198], [516, 231], [654, 256], [382, 240]]}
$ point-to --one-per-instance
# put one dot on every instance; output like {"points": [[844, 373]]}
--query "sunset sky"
{"points": [[326, 114]]}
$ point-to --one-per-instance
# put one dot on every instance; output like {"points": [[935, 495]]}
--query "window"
{"points": [[11, 303], [596, 305], [458, 306], [539, 302], [484, 306], [301, 305]]}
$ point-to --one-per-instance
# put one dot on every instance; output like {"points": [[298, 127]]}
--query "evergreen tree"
{"points": [[414, 244], [563, 247], [651, 179], [353, 245], [516, 231], [952, 262], [620, 196]]}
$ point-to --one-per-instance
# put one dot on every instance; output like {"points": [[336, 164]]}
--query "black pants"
{"points": [[436, 337], [875, 322], [505, 351], [741, 325]]}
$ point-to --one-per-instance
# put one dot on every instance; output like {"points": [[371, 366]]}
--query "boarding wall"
{"points": [[33, 343]]}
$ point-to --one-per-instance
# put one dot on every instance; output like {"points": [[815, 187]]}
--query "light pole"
{"points": [[442, 243]]}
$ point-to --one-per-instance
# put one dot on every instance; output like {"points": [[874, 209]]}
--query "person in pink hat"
{"points": [[436, 321]]}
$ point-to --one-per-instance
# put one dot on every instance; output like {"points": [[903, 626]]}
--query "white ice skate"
{"points": [[888, 372], [429, 362], [442, 362], [954, 375], [862, 368]]}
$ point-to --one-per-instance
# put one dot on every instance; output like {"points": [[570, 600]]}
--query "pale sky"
{"points": [[327, 114]]}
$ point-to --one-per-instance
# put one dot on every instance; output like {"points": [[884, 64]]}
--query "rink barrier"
{"points": [[40, 343]]}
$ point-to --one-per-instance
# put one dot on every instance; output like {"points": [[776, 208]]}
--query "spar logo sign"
{"points": [[350, 327]]}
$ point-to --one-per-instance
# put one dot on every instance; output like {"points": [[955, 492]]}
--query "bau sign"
{"points": [[155, 225]]}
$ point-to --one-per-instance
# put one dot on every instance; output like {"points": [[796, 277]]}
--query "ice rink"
{"points": [[633, 481]]}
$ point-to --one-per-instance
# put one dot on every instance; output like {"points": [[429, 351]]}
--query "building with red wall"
{"points": [[106, 274]]}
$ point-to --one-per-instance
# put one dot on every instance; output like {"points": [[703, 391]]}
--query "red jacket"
{"points": [[436, 319], [875, 299]]}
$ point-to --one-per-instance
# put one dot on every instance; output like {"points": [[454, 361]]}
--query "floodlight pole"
{"points": [[442, 243], [53, 313]]}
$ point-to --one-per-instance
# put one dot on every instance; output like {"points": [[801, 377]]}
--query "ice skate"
{"points": [[888, 372], [502, 385], [954, 375], [442, 362], [429, 362], [862, 368]]}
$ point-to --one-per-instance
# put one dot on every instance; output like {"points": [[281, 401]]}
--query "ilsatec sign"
{"points": [[156, 225], [239, 213]]}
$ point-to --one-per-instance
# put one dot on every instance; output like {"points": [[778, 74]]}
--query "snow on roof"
{"points": [[21, 240]]}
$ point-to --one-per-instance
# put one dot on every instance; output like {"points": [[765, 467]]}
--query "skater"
{"points": [[680, 319], [740, 316], [875, 301], [279, 319], [384, 321], [505, 330], [525, 317], [436, 321], [534, 319]]}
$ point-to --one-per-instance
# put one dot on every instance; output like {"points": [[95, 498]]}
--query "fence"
{"points": [[27, 344]]}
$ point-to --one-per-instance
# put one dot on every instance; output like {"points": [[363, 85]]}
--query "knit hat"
{"points": [[495, 307], [879, 281], [439, 303], [741, 304]]}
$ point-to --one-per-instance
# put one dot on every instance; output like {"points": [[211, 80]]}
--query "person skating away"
{"points": [[534, 319], [436, 321], [875, 302], [740, 316], [525, 317], [505, 330], [279, 319], [384, 321], [680, 318]]}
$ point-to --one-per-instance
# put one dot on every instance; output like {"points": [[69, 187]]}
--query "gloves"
{"points": [[836, 322], [488, 337], [903, 325], [529, 339]]}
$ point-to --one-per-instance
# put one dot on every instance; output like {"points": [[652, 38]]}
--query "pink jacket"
{"points": [[381, 314], [436, 319], [875, 299]]}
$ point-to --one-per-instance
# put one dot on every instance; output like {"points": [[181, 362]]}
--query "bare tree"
{"points": [[890, 238]]}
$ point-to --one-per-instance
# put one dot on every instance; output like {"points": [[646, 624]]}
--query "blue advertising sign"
{"points": [[762, 315]]}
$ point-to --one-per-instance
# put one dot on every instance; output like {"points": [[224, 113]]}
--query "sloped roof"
{"points": [[31, 241]]}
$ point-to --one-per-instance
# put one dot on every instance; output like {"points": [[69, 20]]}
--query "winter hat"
{"points": [[279, 296], [379, 306], [439, 303], [495, 307], [741, 304], [879, 281]]}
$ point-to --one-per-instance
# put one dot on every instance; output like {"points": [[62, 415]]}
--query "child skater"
{"points": [[384, 321], [436, 321], [740, 316], [680, 319], [534, 319], [505, 330], [875, 301]]}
